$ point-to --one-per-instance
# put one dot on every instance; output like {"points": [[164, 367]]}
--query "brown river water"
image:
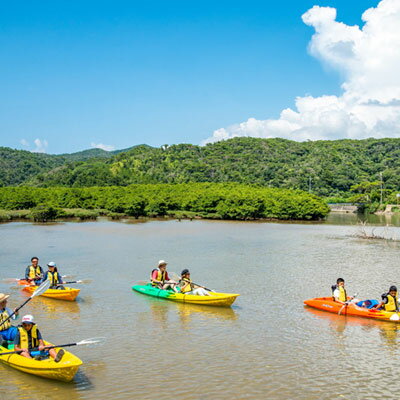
{"points": [[268, 345]]}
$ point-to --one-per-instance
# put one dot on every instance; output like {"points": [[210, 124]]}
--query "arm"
{"points": [[154, 277], [27, 273], [336, 295], [17, 346], [15, 316]]}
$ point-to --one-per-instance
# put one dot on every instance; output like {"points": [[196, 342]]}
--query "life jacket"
{"points": [[160, 276], [3, 316], [33, 272], [342, 293], [392, 302], [187, 288], [24, 337], [53, 277]]}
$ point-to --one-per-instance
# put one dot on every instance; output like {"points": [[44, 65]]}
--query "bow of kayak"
{"points": [[214, 299], [68, 293], [327, 304], [64, 370]]}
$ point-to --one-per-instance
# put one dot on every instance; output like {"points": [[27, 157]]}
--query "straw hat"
{"points": [[3, 297]]}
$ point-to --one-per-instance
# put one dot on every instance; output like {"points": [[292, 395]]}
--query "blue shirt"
{"points": [[9, 312]]}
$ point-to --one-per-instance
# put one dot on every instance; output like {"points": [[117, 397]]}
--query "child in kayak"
{"points": [[160, 278], [390, 301], [339, 292], [29, 338], [53, 276], [188, 287]]}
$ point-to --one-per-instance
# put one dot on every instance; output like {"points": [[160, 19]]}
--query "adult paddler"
{"points": [[34, 272], [53, 276], [159, 277], [7, 331]]}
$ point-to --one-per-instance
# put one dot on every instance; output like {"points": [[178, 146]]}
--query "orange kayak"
{"points": [[359, 309], [68, 293]]}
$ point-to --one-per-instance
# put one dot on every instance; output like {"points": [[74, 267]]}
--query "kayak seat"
{"points": [[367, 303]]}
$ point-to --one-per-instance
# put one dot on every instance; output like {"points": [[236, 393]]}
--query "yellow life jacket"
{"points": [[3, 316], [53, 277], [342, 294], [187, 288], [24, 342], [33, 272], [392, 303], [160, 276]]}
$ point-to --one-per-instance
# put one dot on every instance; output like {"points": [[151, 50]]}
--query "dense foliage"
{"points": [[207, 200], [327, 168]]}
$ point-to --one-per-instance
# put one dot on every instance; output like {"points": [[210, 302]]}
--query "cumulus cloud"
{"points": [[41, 146], [368, 60], [24, 142], [102, 146]]}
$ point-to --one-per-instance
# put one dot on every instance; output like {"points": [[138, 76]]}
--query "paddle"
{"points": [[176, 277], [12, 280], [79, 281], [82, 342], [41, 289], [346, 303]]}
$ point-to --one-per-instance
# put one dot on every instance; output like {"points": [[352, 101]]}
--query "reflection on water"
{"points": [[389, 331]]}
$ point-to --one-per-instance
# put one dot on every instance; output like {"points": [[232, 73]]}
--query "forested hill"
{"points": [[18, 166], [331, 167]]}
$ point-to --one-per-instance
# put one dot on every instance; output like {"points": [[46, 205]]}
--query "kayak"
{"points": [[215, 299], [69, 293], [359, 309], [64, 370]]}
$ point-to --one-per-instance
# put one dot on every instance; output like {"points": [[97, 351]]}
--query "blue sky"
{"points": [[120, 73]]}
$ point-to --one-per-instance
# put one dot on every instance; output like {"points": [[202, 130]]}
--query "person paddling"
{"points": [[34, 272], [53, 276], [29, 338], [339, 292], [390, 301], [188, 287], [7, 331], [160, 278]]}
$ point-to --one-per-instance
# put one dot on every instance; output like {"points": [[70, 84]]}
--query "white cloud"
{"points": [[24, 142], [102, 146], [41, 146], [368, 59]]}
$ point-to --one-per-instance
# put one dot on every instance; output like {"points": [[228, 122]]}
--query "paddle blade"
{"points": [[94, 340], [41, 289], [84, 281], [10, 280]]}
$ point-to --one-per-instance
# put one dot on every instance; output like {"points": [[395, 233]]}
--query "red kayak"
{"points": [[359, 309]]}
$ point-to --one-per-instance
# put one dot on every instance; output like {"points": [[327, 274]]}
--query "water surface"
{"points": [[266, 346]]}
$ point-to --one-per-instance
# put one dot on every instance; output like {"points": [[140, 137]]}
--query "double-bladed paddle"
{"points": [[40, 290], [346, 303], [82, 342]]}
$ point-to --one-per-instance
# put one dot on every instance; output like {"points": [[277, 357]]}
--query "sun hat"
{"points": [[51, 264], [28, 319], [162, 262], [3, 297]]}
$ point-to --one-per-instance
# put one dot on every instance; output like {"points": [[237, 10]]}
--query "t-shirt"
{"points": [[17, 338], [155, 273], [336, 293]]}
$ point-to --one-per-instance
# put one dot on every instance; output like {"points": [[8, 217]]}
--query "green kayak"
{"points": [[214, 299]]}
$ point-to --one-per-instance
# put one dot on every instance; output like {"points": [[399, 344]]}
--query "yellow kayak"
{"points": [[214, 299], [64, 370], [69, 293]]}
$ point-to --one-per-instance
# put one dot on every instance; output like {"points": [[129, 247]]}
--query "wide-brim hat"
{"points": [[162, 262], [3, 297]]}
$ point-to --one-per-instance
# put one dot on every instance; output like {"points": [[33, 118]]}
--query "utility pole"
{"points": [[380, 174], [309, 184]]}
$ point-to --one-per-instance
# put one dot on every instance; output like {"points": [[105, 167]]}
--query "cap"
{"points": [[51, 264], [28, 319]]}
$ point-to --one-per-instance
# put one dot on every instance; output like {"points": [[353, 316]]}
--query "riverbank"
{"points": [[190, 200]]}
